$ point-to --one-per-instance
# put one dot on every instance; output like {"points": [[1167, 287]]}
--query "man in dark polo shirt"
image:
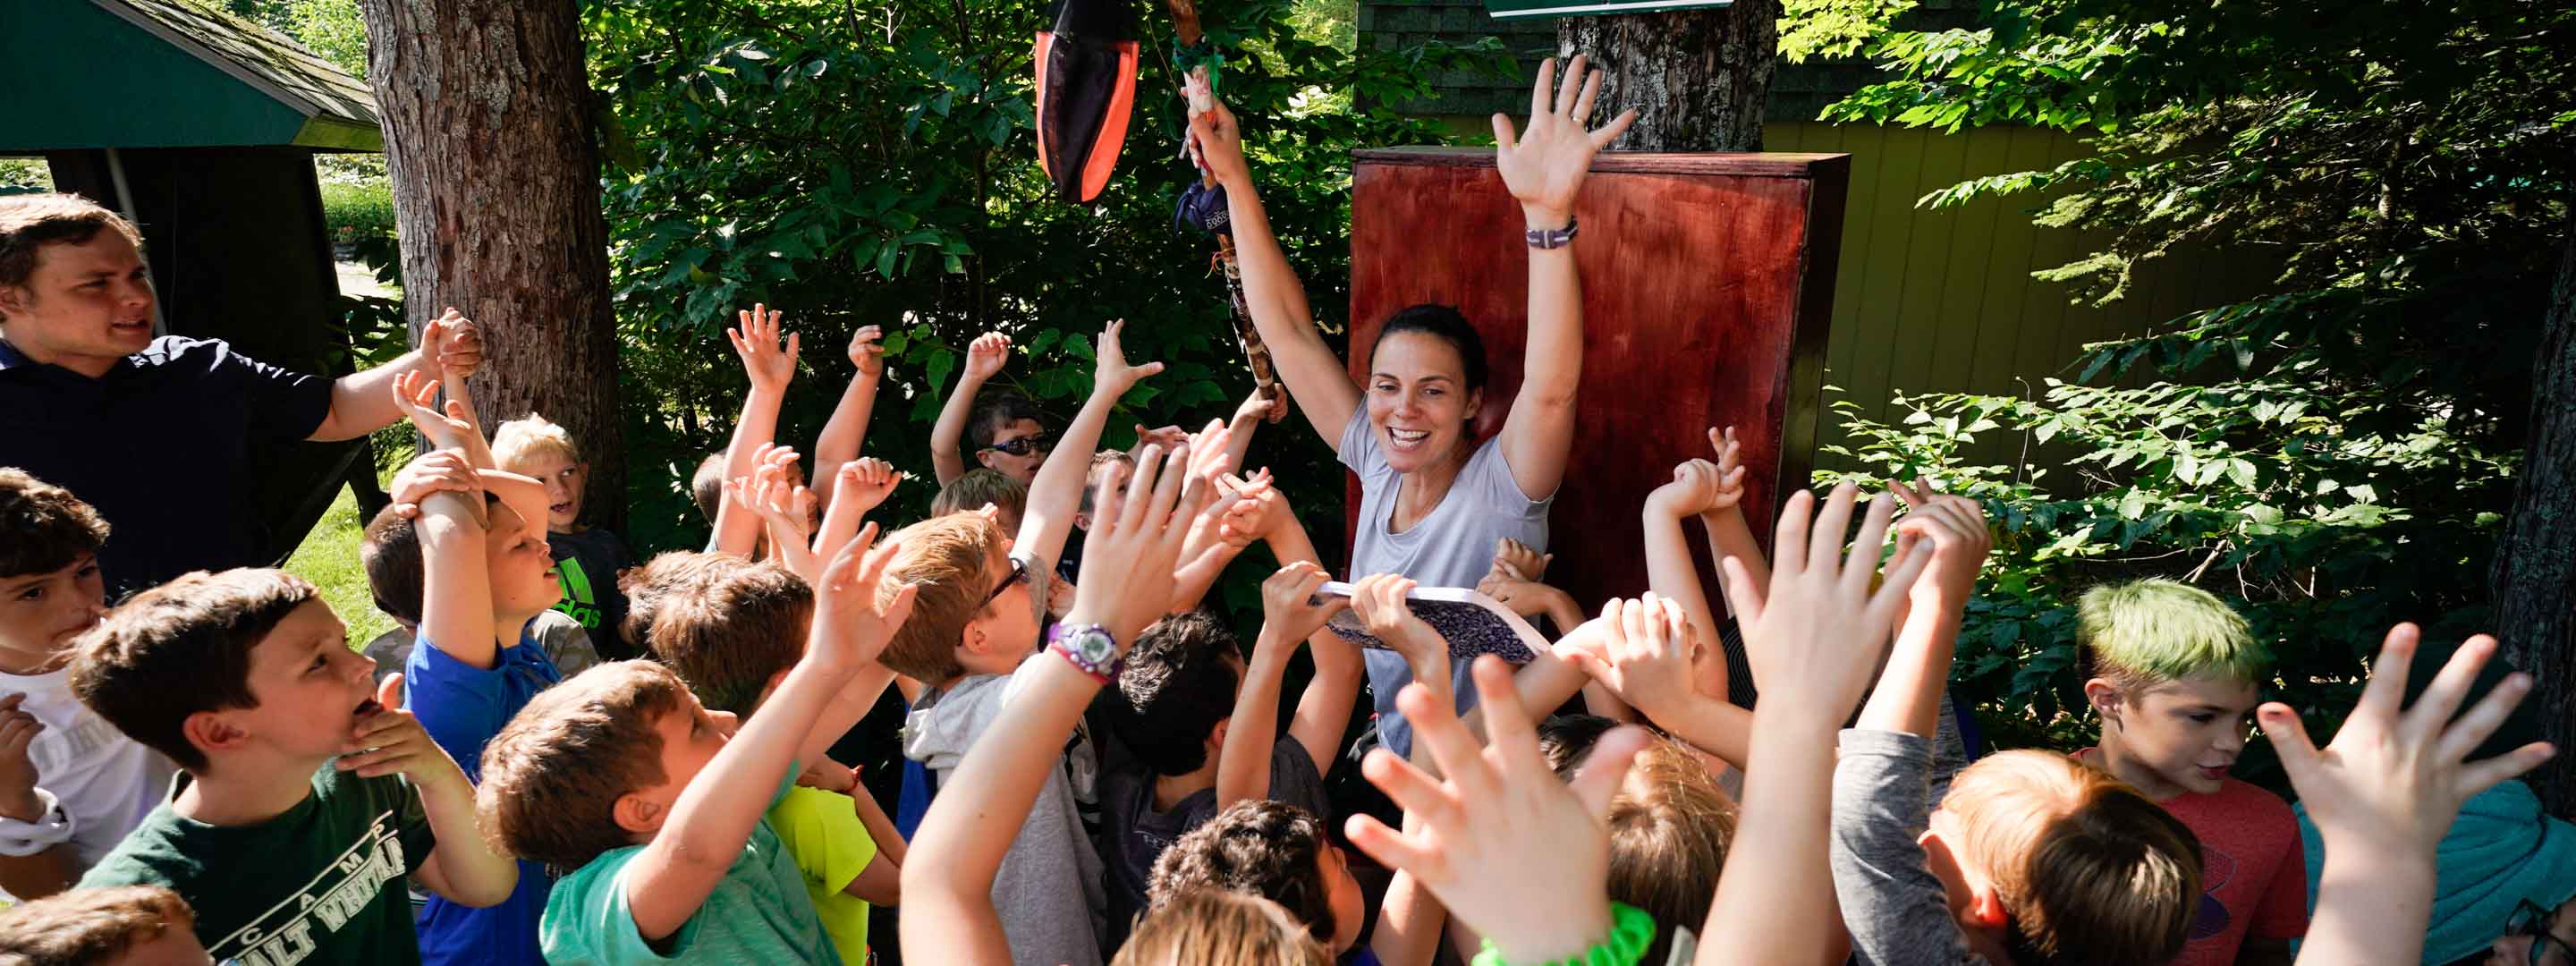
{"points": [[156, 433]]}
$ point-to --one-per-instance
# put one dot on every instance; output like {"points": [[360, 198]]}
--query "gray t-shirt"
{"points": [[1049, 890], [1451, 547], [1895, 907]]}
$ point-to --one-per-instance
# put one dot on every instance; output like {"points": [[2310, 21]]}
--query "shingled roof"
{"points": [[167, 73], [1798, 91]]}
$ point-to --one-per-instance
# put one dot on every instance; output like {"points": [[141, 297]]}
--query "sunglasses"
{"points": [[1019, 572], [1023, 446], [2532, 921]]}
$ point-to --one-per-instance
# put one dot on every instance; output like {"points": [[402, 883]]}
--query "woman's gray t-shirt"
{"points": [[1452, 547]]}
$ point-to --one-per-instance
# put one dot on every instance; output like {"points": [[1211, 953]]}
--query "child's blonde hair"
{"points": [[975, 488], [2147, 632], [2087, 869], [521, 440], [950, 558], [1214, 927]]}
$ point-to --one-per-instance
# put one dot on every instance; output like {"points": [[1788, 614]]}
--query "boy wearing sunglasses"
{"points": [[975, 627], [1004, 431]]}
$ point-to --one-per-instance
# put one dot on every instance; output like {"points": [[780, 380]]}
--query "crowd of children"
{"points": [[563, 755]]}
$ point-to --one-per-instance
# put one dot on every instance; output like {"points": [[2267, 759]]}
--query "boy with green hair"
{"points": [[2175, 674]]}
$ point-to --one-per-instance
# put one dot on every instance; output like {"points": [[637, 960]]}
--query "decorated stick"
{"points": [[1203, 204]]}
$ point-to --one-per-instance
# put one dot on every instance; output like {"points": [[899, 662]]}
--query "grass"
{"points": [[329, 558]]}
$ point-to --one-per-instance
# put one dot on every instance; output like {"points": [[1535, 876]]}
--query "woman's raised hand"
{"points": [[1544, 166]]}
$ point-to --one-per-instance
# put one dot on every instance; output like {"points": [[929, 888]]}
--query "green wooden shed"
{"points": [[201, 127]]}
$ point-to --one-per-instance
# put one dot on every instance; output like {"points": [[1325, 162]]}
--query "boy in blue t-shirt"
{"points": [[485, 574]]}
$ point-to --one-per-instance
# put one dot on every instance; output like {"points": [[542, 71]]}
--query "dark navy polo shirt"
{"points": [[161, 446]]}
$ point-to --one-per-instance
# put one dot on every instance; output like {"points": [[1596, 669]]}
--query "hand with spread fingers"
{"points": [[1135, 540], [1544, 166], [1956, 528], [1516, 854], [1817, 633], [1641, 650], [853, 621], [769, 363], [1112, 374]]}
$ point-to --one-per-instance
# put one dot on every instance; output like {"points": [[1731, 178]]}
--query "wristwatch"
{"points": [[1089, 647], [1553, 237]]}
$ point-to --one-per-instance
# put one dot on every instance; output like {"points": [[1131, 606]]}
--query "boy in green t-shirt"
{"points": [[732, 629], [246, 680], [655, 804]]}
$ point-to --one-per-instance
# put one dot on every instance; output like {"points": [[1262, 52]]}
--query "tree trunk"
{"points": [[1699, 79], [2534, 577], [496, 192]]}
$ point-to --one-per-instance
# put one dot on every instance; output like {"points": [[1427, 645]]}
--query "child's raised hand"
{"points": [[392, 741], [436, 471], [853, 617], [1259, 407], [865, 482], [1514, 853], [769, 363], [1136, 537], [985, 356], [454, 344], [1956, 527], [416, 396], [1166, 437], [1545, 165], [867, 351], [1290, 611], [1639, 649], [18, 731], [2395, 779], [1112, 374], [1526, 563], [1815, 637]]}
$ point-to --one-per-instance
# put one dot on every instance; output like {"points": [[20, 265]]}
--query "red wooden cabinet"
{"points": [[1707, 284]]}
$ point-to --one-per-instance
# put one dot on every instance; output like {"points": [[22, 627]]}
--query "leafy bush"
{"points": [[361, 212], [883, 170]]}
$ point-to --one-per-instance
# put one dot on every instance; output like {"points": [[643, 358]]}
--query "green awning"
{"points": [[168, 74], [1518, 9]]}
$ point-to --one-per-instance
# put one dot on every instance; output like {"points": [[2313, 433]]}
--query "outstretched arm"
{"points": [[848, 427], [1289, 614], [451, 348], [984, 359], [1315, 378], [1057, 492], [948, 914], [1953, 530], [1545, 168]]}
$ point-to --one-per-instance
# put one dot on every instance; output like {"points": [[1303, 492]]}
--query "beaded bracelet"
{"points": [[1631, 931]]}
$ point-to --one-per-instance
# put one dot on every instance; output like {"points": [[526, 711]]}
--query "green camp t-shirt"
{"points": [[322, 883]]}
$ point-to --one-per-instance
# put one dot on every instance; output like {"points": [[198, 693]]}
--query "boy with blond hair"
{"points": [[245, 678], [587, 558], [623, 778], [979, 488], [2173, 673], [732, 629], [71, 786]]}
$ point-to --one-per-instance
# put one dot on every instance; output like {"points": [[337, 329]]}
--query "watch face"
{"points": [[1093, 645]]}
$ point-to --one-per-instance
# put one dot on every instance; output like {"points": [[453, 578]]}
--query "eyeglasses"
{"points": [[1019, 572], [2532, 921], [1022, 446]]}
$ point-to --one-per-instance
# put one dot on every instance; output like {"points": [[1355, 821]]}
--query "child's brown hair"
{"points": [[950, 559], [43, 527], [2089, 870], [723, 623], [552, 777], [182, 648], [1214, 927], [706, 485], [85, 926], [397, 576], [975, 488], [1269, 849]]}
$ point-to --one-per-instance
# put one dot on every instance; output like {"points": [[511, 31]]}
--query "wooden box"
{"points": [[1707, 285]]}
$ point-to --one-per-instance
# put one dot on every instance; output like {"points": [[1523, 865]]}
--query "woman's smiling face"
{"points": [[1419, 403]]}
